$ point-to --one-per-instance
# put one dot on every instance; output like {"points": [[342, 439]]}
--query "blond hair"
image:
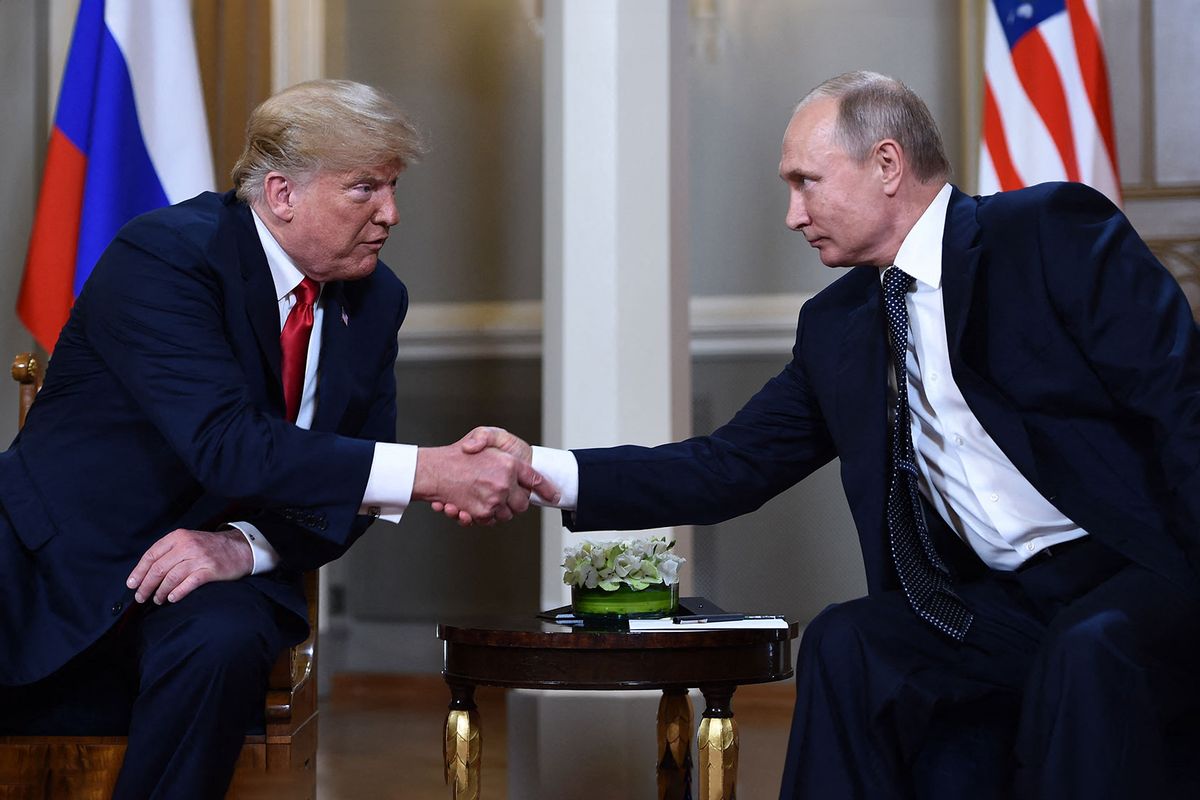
{"points": [[323, 125]]}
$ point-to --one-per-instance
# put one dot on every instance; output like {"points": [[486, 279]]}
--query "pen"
{"points": [[696, 618]]}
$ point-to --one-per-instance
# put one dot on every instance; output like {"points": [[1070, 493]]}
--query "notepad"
{"points": [[669, 625]]}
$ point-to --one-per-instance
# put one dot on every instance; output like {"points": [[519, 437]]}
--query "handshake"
{"points": [[482, 478]]}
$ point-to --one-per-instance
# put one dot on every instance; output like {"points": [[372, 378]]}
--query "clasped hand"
{"points": [[483, 478]]}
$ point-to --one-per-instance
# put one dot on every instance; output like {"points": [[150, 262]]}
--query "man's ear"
{"points": [[277, 191], [889, 159]]}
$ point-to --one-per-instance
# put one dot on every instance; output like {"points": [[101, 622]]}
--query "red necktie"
{"points": [[293, 344]]}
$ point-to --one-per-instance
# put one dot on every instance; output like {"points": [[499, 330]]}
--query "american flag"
{"points": [[1047, 115]]}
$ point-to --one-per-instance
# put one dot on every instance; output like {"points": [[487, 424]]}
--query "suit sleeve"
{"points": [[1130, 318], [776, 439], [297, 547]]}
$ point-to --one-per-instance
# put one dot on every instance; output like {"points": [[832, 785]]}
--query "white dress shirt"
{"points": [[394, 466], [963, 473]]}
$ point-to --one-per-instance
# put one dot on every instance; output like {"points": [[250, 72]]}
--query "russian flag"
{"points": [[1047, 114], [129, 135]]}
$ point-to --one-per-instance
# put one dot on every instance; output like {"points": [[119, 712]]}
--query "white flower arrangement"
{"points": [[637, 563]]}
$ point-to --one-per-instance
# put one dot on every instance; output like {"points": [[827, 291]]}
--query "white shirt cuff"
{"points": [[390, 485], [265, 557], [561, 468]]}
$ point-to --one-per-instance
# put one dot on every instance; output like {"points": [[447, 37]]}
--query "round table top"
{"points": [[528, 652], [533, 632]]}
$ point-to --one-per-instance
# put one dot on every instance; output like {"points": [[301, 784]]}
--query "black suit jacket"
{"points": [[1072, 345], [163, 408]]}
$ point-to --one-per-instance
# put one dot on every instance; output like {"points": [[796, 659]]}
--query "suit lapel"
{"points": [[262, 306], [960, 264], [333, 386], [262, 309], [862, 437], [961, 252], [862, 381], [862, 369]]}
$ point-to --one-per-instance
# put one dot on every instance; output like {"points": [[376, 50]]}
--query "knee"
{"points": [[833, 637], [1104, 636], [245, 640], [222, 632]]}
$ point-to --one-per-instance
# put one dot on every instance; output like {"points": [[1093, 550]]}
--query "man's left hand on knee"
{"points": [[185, 559]]}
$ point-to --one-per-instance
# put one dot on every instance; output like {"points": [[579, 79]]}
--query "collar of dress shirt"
{"points": [[920, 254], [284, 273]]}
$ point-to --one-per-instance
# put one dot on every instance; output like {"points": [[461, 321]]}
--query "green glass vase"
{"points": [[656, 600]]}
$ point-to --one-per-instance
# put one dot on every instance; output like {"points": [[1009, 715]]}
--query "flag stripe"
{"points": [[100, 170], [1031, 149], [74, 113], [1043, 85], [1046, 110], [1061, 46], [121, 181], [1094, 70], [45, 298], [997, 142], [177, 142]]}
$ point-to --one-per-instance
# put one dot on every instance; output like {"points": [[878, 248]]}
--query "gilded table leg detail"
{"points": [[463, 744], [674, 745], [718, 745]]}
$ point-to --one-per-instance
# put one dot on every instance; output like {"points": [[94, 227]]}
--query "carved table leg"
{"points": [[463, 745], [674, 745], [718, 745]]}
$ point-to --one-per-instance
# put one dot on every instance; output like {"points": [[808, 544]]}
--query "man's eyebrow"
{"points": [[797, 173]]}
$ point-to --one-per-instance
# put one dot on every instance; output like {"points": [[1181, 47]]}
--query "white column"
{"points": [[616, 363], [615, 330], [297, 42]]}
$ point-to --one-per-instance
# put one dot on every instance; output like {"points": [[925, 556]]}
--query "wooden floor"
{"points": [[381, 738]]}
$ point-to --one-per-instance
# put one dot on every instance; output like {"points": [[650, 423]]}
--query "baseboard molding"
{"points": [[720, 326]]}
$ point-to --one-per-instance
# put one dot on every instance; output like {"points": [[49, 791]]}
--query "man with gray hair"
{"points": [[217, 418], [1012, 387]]}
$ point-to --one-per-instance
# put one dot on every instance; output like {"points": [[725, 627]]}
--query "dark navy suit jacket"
{"points": [[162, 408], [1073, 346]]}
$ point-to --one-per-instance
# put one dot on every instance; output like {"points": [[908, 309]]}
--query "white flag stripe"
{"points": [[1104, 163], [1104, 176], [1056, 32], [1091, 152], [159, 48], [989, 182]]}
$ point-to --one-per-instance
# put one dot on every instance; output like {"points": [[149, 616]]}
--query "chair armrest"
{"points": [[27, 371], [296, 665]]}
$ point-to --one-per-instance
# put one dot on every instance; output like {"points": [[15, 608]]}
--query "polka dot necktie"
{"points": [[923, 575], [293, 345]]}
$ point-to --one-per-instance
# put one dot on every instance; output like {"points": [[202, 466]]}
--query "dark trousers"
{"points": [[1062, 688], [185, 681]]}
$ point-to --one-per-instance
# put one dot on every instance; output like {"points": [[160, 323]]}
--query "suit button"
{"points": [[117, 608]]}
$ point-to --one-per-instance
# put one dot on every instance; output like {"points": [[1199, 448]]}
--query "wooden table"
{"points": [[528, 653]]}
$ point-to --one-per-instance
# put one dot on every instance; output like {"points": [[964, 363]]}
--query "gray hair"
{"points": [[873, 107], [319, 125]]}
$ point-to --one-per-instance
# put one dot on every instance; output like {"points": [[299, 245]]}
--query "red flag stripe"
{"points": [[46, 294], [1042, 82]]}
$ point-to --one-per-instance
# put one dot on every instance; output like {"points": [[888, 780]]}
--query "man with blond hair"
{"points": [[216, 419]]}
